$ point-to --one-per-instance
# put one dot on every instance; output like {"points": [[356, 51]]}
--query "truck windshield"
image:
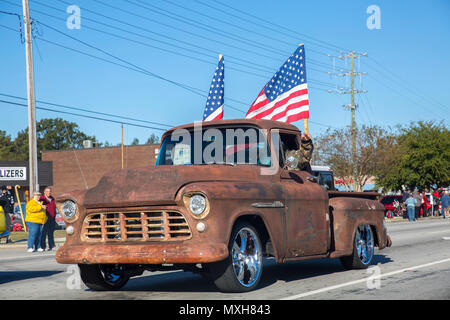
{"points": [[233, 146]]}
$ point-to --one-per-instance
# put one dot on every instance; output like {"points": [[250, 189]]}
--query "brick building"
{"points": [[82, 168]]}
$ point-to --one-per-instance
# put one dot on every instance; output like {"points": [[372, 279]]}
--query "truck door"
{"points": [[306, 204]]}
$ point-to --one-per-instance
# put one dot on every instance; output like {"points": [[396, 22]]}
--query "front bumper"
{"points": [[148, 253]]}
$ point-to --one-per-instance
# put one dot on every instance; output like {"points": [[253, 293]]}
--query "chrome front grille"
{"points": [[139, 225]]}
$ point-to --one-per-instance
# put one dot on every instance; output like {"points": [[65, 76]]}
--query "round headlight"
{"points": [[197, 204], [69, 208]]}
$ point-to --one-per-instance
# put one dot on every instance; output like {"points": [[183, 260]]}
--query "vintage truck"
{"points": [[220, 197]]}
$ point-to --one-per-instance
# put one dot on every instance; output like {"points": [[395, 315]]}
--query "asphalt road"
{"points": [[417, 266]]}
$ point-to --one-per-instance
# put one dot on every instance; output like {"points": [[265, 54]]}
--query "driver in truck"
{"points": [[303, 154]]}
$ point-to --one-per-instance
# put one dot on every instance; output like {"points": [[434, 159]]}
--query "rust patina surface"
{"points": [[140, 216]]}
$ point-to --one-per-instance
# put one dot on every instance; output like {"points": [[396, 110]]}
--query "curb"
{"points": [[23, 243], [400, 219]]}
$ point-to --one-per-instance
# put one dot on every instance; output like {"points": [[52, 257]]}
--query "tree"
{"points": [[51, 134], [153, 139], [6, 147], [334, 149], [422, 158]]}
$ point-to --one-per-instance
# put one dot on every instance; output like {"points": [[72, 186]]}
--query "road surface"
{"points": [[417, 266]]}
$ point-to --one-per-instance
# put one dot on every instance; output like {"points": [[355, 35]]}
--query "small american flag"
{"points": [[285, 97], [214, 104]]}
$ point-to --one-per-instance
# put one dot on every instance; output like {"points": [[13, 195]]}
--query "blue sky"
{"points": [[408, 61]]}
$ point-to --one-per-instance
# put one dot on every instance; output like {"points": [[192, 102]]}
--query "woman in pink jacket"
{"points": [[49, 227]]}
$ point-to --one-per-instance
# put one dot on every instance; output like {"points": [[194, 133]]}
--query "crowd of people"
{"points": [[7, 201], [40, 218], [419, 205]]}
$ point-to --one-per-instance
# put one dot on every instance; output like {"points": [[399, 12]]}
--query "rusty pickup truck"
{"points": [[220, 198]]}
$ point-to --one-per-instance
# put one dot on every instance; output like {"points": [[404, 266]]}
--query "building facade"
{"points": [[16, 173], [80, 169]]}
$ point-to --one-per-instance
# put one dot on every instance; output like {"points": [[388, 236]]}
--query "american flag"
{"points": [[214, 104], [285, 97]]}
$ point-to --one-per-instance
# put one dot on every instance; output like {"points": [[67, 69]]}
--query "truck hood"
{"points": [[158, 185]]}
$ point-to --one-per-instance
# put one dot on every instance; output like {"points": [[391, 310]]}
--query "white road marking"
{"points": [[346, 284], [440, 231]]}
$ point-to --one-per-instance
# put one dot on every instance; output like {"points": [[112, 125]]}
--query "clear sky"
{"points": [[408, 61]]}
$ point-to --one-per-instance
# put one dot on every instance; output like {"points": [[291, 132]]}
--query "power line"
{"points": [[89, 111], [271, 23], [264, 46], [266, 69], [143, 71], [388, 74], [84, 116]]}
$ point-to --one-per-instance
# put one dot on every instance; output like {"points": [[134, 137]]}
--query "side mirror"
{"points": [[291, 163]]}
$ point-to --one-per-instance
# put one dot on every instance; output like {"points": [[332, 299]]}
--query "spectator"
{"points": [[418, 199], [425, 204], [437, 201], [49, 226], [8, 209], [35, 219], [445, 202], [406, 194], [411, 207]]}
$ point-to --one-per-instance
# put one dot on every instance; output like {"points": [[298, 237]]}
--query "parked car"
{"points": [[390, 203], [3, 231], [217, 215], [326, 177]]}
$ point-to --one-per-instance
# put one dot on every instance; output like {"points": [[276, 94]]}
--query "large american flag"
{"points": [[285, 97], [214, 104]]}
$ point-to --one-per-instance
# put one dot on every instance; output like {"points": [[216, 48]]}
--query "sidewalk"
{"points": [[398, 219], [23, 243]]}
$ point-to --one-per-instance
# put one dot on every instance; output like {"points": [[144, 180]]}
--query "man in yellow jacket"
{"points": [[35, 219]]}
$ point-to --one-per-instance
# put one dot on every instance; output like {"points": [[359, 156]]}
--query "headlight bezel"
{"points": [[74, 215], [187, 197]]}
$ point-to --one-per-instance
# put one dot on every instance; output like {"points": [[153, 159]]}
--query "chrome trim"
{"points": [[275, 204]]}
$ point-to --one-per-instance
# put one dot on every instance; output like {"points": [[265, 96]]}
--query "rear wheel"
{"points": [[363, 249], [242, 270], [103, 277]]}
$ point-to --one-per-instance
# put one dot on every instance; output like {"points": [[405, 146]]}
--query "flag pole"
{"points": [[305, 120]]}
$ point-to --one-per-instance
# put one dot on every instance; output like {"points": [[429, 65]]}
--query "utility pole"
{"points": [[352, 55], [122, 146], [32, 144]]}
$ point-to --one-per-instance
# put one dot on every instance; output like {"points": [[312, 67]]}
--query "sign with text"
{"points": [[13, 173]]}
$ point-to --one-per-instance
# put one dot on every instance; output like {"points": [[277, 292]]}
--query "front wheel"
{"points": [[242, 270], [103, 277], [363, 249]]}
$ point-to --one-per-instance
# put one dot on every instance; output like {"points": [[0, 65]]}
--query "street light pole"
{"points": [[32, 141]]}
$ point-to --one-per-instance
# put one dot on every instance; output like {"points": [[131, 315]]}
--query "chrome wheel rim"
{"points": [[364, 244], [247, 258], [111, 277]]}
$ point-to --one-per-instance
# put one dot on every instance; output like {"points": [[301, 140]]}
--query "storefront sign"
{"points": [[13, 173]]}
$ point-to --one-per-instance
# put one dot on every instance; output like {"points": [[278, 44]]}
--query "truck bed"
{"points": [[363, 195]]}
